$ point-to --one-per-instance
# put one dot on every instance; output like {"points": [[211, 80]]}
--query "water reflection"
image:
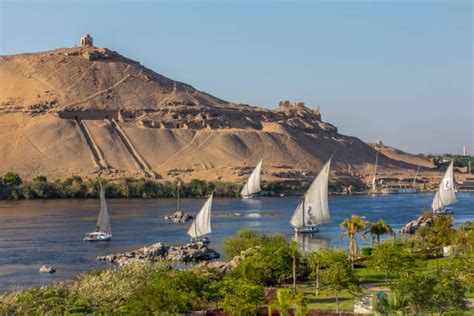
{"points": [[311, 242]]}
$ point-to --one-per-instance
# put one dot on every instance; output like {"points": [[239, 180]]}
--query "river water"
{"points": [[37, 232]]}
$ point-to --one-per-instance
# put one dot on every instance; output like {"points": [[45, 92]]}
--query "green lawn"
{"points": [[368, 275]]}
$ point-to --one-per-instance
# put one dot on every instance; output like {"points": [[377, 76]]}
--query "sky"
{"points": [[396, 71]]}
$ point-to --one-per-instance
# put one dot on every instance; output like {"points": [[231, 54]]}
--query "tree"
{"points": [[353, 227], [318, 260], [464, 238], [338, 275], [240, 297], [390, 257], [269, 263], [245, 239], [440, 234], [11, 179], [431, 292], [294, 255], [379, 228], [286, 300]]}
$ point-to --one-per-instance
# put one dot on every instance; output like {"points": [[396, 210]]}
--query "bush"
{"points": [[366, 252], [240, 296], [245, 239], [428, 292], [269, 263], [440, 234], [390, 258], [175, 292]]}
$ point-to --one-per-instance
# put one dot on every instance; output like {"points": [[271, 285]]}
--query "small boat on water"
{"points": [[313, 208], [252, 188], [201, 225], [402, 189], [446, 194], [103, 231], [398, 190]]}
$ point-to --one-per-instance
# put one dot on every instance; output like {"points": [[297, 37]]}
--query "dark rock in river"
{"points": [[193, 252], [414, 225], [179, 217]]}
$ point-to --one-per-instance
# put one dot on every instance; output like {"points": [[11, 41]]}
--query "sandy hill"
{"points": [[400, 155], [90, 111]]}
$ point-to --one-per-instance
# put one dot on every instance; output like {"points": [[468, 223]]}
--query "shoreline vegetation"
{"points": [[262, 274], [13, 187]]}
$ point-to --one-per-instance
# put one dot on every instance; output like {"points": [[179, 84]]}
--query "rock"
{"points": [[47, 269], [413, 226], [179, 217], [192, 252]]}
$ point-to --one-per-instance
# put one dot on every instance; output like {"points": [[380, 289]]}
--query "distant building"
{"points": [[464, 151], [86, 40]]}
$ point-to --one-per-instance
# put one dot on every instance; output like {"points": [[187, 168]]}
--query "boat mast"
{"points": [[304, 224], [179, 186], [416, 175], [374, 183]]}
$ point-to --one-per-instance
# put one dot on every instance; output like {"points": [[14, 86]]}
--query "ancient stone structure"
{"points": [[86, 40]]}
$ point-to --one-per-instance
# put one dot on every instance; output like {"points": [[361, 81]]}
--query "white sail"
{"points": [[202, 223], [446, 194], [253, 183], [103, 221], [374, 179], [416, 175], [314, 208]]}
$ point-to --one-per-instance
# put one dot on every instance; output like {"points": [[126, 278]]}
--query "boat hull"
{"points": [[306, 230], [97, 236], [444, 212], [399, 191], [251, 196]]}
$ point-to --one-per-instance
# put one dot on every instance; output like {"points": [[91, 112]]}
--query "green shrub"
{"points": [[174, 292], [245, 239], [269, 263], [240, 296], [366, 252]]}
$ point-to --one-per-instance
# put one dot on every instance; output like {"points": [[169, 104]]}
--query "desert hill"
{"points": [[397, 154], [90, 111]]}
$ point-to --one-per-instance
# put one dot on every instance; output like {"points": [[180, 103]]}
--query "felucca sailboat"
{"points": [[374, 179], [201, 225], [446, 194], [313, 208], [103, 231], [252, 187]]}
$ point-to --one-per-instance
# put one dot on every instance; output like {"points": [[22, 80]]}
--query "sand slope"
{"points": [[171, 129]]}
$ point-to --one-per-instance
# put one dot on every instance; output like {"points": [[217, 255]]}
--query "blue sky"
{"points": [[396, 71]]}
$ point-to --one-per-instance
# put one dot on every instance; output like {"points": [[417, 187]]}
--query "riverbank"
{"points": [[12, 187]]}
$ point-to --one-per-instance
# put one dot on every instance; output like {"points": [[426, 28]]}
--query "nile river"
{"points": [[33, 233]]}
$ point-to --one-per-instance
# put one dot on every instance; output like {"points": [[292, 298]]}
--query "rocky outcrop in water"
{"points": [[179, 217], [192, 252], [414, 225]]}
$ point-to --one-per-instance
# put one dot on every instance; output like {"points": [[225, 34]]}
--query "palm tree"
{"points": [[379, 228], [285, 301], [353, 226]]}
